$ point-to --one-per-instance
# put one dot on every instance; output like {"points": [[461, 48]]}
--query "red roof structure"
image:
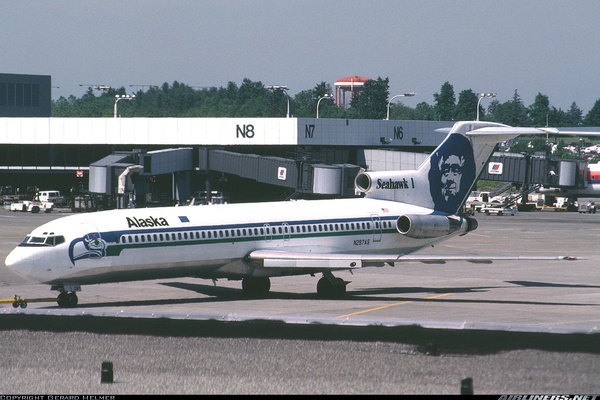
{"points": [[349, 84]]}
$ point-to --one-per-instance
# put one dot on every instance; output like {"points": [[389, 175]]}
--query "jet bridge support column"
{"points": [[526, 180], [125, 184], [181, 186], [208, 190]]}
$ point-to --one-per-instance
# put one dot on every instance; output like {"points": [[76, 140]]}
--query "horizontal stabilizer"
{"points": [[555, 131]]}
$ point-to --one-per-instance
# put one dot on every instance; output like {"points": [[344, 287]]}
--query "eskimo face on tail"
{"points": [[451, 173]]}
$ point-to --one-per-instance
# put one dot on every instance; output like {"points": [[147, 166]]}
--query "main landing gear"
{"points": [[256, 287], [328, 287]]}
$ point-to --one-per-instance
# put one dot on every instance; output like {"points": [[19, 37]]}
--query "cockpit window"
{"points": [[50, 240], [36, 240]]}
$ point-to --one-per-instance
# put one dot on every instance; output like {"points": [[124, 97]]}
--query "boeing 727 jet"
{"points": [[399, 213]]}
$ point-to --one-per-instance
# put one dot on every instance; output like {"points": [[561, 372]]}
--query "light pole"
{"points": [[121, 97], [410, 94], [325, 96], [284, 90], [483, 96]]}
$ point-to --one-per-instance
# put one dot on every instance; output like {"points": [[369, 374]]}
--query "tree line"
{"points": [[252, 99]]}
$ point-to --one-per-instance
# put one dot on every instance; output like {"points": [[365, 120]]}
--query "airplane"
{"points": [[397, 213]]}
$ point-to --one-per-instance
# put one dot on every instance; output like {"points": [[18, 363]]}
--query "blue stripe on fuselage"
{"points": [[115, 248]]}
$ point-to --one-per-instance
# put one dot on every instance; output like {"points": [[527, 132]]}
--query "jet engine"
{"points": [[369, 181], [432, 226]]}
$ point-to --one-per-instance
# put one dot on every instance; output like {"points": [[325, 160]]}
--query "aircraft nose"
{"points": [[19, 262]]}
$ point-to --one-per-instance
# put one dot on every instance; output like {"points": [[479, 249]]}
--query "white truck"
{"points": [[51, 196]]}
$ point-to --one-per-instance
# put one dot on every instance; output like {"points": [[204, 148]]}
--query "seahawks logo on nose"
{"points": [[89, 246]]}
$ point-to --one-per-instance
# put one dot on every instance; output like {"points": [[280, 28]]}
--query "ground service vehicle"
{"points": [[32, 205], [587, 208]]}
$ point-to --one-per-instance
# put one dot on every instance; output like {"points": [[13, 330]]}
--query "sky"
{"points": [[531, 46]]}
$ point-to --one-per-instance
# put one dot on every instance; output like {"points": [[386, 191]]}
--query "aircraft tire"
{"points": [[61, 300], [72, 300], [327, 290], [67, 300], [256, 287]]}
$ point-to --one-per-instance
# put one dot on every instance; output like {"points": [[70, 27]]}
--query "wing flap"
{"points": [[273, 258]]}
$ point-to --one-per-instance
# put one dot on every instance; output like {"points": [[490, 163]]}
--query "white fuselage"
{"points": [[208, 241]]}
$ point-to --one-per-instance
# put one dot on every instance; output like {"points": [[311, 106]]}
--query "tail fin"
{"points": [[443, 182]]}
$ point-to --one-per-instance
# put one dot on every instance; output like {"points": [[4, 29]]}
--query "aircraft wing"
{"points": [[282, 259]]}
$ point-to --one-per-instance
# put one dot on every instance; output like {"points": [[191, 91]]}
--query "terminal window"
{"points": [[19, 94]]}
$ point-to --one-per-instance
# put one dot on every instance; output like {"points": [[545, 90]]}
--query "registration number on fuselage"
{"points": [[362, 242]]}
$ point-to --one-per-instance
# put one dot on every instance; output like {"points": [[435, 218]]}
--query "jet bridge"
{"points": [[535, 170], [299, 175], [125, 176], [323, 174]]}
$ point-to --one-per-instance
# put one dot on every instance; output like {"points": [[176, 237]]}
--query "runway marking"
{"points": [[391, 305]]}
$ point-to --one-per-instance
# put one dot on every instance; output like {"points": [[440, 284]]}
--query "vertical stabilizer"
{"points": [[444, 181]]}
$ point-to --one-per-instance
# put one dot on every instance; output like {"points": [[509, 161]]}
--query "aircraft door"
{"points": [[376, 221], [285, 228], [268, 232], [277, 232]]}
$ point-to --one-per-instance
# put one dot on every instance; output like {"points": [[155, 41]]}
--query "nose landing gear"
{"points": [[67, 299]]}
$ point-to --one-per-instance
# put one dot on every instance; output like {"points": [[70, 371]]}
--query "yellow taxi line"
{"points": [[391, 305]]}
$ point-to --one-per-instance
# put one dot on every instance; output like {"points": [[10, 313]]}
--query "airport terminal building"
{"points": [[250, 158]]}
